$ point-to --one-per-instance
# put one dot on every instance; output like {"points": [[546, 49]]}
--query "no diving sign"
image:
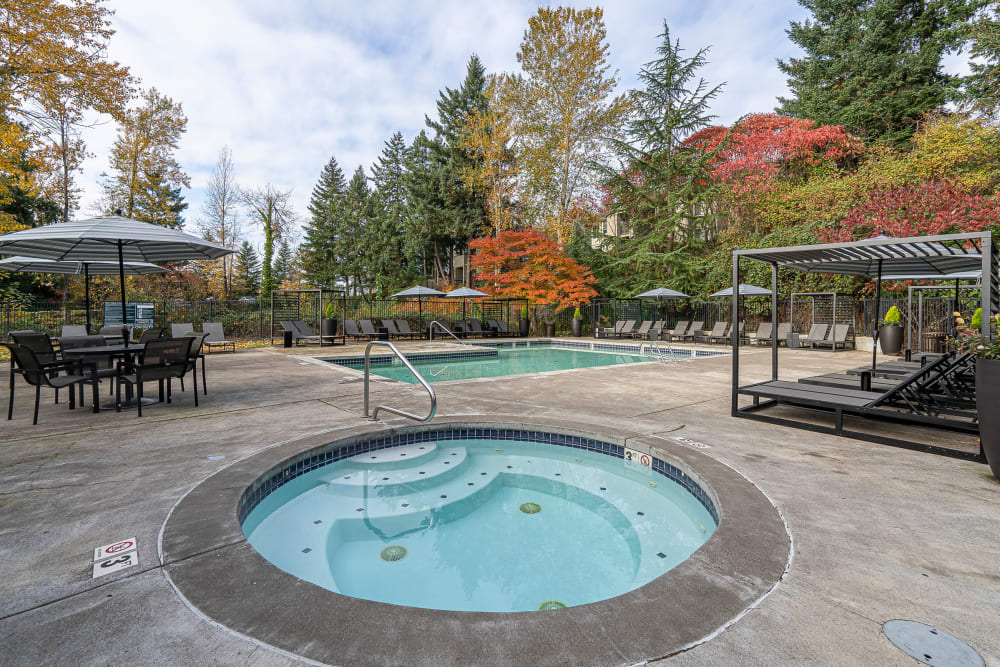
{"points": [[115, 556]]}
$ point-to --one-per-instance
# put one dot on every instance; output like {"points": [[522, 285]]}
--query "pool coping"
{"points": [[212, 567]]}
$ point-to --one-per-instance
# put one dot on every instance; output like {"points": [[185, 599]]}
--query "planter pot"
{"points": [[329, 327], [522, 327], [987, 400], [890, 339], [577, 328], [550, 329]]}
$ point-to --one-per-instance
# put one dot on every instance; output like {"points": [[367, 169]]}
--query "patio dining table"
{"points": [[127, 352]]}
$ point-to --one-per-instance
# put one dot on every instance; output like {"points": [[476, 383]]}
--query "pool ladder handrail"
{"points": [[430, 329], [420, 379], [657, 352]]}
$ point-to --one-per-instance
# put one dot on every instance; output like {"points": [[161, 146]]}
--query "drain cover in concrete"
{"points": [[393, 553], [930, 645]]}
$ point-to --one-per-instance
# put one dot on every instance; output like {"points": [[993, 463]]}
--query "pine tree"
{"points": [[246, 281], [385, 235], [326, 247], [283, 263], [983, 85], [664, 190], [357, 216], [874, 66]]}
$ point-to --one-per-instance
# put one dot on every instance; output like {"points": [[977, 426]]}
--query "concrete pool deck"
{"points": [[879, 532]]}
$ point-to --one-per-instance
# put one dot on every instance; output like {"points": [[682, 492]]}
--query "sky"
{"points": [[286, 85]]}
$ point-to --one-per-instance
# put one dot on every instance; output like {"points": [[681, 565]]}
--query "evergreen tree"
{"points": [[983, 85], [358, 212], [385, 235], [874, 66], [283, 263], [452, 208], [664, 188], [326, 246], [247, 271], [159, 203]]}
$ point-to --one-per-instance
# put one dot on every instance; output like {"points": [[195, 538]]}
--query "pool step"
{"points": [[393, 458], [392, 480]]}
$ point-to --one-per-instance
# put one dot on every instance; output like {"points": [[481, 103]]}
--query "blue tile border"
{"points": [[267, 484]]}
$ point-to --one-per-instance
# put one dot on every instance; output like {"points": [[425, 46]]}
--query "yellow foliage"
{"points": [[958, 149]]}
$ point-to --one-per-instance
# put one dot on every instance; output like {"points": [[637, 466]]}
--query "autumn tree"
{"points": [[271, 208], [146, 178], [566, 108], [220, 220], [487, 136], [874, 67], [530, 265]]}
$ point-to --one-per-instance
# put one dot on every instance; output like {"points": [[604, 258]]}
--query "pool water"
{"points": [[509, 361], [479, 525]]}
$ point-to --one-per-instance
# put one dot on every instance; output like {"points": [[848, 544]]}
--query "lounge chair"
{"points": [[643, 329], [54, 374], [678, 331], [215, 338], [390, 326], [183, 329], [763, 333], [817, 333], [656, 331], [475, 328], [837, 336], [915, 397], [696, 328], [351, 329], [718, 331], [723, 337], [403, 327], [163, 359], [368, 329], [607, 332], [499, 327], [73, 330], [626, 329]]}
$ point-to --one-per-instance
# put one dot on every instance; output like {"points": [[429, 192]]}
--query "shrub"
{"points": [[892, 317], [577, 315]]}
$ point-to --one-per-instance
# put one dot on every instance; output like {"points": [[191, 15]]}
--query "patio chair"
{"points": [[817, 333], [678, 331], [499, 327], [215, 337], [151, 334], [626, 329], [696, 327], [184, 329], [368, 329], [763, 333], [112, 334], [403, 327], [643, 329], [197, 342], [390, 326], [54, 374], [724, 337], [300, 330], [718, 331], [162, 360], [836, 337], [104, 366], [607, 332], [475, 328], [73, 330], [41, 345], [351, 329]]}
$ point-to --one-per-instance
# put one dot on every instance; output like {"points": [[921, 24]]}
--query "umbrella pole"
{"points": [[878, 308], [121, 285], [86, 293]]}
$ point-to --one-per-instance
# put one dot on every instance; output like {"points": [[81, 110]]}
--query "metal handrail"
{"points": [[658, 353], [420, 379], [445, 329]]}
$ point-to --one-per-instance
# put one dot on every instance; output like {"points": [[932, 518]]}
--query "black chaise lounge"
{"points": [[403, 327], [718, 331]]}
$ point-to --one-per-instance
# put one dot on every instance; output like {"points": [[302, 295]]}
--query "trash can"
{"points": [[793, 341], [383, 333], [287, 338]]}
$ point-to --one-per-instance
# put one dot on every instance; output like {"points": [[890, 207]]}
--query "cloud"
{"points": [[286, 85]]}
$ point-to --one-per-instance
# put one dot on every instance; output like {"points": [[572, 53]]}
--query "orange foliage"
{"points": [[530, 265]]}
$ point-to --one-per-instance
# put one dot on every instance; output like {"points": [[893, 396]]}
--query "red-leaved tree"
{"points": [[762, 147], [530, 265], [925, 208]]}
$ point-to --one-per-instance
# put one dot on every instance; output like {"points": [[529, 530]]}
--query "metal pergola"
{"points": [[812, 302], [942, 254], [281, 299]]}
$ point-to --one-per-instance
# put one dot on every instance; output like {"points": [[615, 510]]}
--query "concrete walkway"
{"points": [[879, 532]]}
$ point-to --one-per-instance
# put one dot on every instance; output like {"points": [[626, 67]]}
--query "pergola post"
{"points": [[988, 276], [774, 320], [735, 335]]}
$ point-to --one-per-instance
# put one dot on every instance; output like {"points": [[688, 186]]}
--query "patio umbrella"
{"points": [[745, 290], [86, 269], [465, 293], [111, 238], [419, 292], [662, 294]]}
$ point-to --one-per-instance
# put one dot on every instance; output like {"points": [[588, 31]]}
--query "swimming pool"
{"points": [[484, 524], [496, 361]]}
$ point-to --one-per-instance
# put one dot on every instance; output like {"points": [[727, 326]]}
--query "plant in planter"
{"points": [[329, 327], [577, 322], [987, 352], [524, 324], [890, 333]]}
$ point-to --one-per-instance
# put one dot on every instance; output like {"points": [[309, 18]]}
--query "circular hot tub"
{"points": [[475, 541]]}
